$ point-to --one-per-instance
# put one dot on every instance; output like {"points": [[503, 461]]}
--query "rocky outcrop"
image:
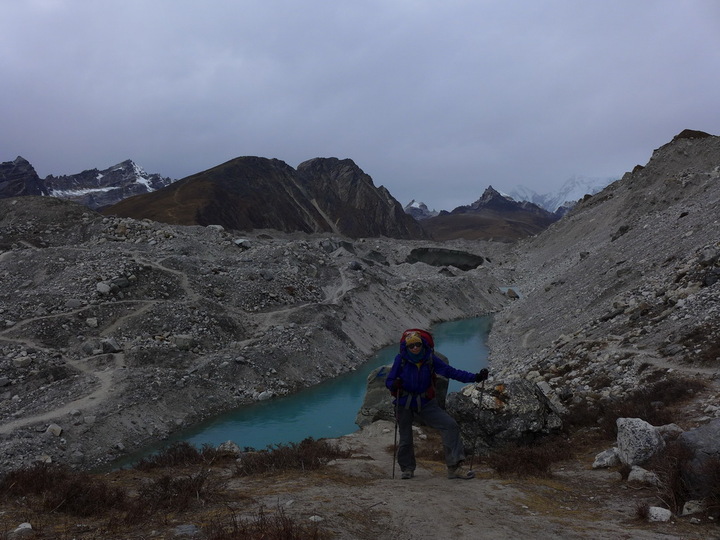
{"points": [[695, 460], [18, 178], [497, 414], [637, 440], [349, 199], [700, 471]]}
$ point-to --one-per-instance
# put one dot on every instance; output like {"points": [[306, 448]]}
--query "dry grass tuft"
{"points": [[308, 454], [181, 454], [55, 488], [642, 511], [264, 526], [652, 404], [178, 481], [535, 459]]}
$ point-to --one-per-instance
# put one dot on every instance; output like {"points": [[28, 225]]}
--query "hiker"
{"points": [[411, 381]]}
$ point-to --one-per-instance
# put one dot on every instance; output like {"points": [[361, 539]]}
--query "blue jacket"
{"points": [[417, 378]]}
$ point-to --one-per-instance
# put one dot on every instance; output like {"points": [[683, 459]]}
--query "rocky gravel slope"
{"points": [[627, 281], [116, 332]]}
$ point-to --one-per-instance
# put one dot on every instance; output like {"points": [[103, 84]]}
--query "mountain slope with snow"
{"points": [[574, 189], [97, 189], [419, 210]]}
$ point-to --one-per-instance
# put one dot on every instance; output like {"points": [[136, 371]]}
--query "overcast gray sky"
{"points": [[434, 100]]}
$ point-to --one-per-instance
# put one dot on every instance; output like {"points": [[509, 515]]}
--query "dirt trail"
{"points": [[365, 502], [105, 382]]}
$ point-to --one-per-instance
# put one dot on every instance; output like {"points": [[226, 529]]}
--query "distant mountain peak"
{"points": [[572, 190], [19, 178], [92, 187], [419, 210], [491, 199]]}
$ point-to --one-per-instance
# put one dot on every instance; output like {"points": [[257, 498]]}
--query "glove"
{"points": [[397, 384], [482, 375]]}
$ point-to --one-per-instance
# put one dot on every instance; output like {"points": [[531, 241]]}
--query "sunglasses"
{"points": [[414, 345]]}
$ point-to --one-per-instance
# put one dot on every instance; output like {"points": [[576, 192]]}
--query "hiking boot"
{"points": [[407, 475], [460, 473]]}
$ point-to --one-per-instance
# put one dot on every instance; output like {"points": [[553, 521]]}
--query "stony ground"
{"points": [[358, 499], [117, 332]]}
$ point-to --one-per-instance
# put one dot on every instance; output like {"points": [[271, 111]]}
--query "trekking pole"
{"points": [[395, 442], [482, 391]]}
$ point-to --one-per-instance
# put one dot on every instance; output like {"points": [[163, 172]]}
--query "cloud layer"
{"points": [[435, 101]]}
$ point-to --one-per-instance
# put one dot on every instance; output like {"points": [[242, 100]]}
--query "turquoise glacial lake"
{"points": [[328, 410]]}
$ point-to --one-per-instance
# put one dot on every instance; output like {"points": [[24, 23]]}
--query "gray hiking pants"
{"points": [[436, 418]]}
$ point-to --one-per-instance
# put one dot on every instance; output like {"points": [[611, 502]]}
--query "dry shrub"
{"points": [[667, 465], [683, 477], [180, 454], [308, 454], [46, 489], [642, 511], [277, 526], [704, 341], [535, 459], [710, 470], [174, 494], [652, 404], [675, 389], [58, 489]]}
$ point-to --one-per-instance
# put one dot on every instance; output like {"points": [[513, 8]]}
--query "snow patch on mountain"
{"points": [[419, 210], [572, 190], [96, 189]]}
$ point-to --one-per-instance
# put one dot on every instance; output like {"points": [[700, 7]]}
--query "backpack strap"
{"points": [[417, 397]]}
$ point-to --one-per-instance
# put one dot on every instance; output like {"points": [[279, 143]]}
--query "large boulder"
{"points": [[700, 472], [637, 441], [498, 414]]}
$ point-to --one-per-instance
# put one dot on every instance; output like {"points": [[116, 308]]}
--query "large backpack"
{"points": [[430, 342]]}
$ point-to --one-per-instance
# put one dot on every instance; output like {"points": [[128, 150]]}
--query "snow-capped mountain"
{"points": [[574, 189], [419, 210], [96, 189]]}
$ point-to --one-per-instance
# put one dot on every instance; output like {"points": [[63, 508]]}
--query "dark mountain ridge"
{"points": [[93, 188], [492, 217], [18, 178], [246, 193], [323, 195]]}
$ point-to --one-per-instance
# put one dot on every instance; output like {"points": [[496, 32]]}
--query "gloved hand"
{"points": [[482, 375], [397, 384]]}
